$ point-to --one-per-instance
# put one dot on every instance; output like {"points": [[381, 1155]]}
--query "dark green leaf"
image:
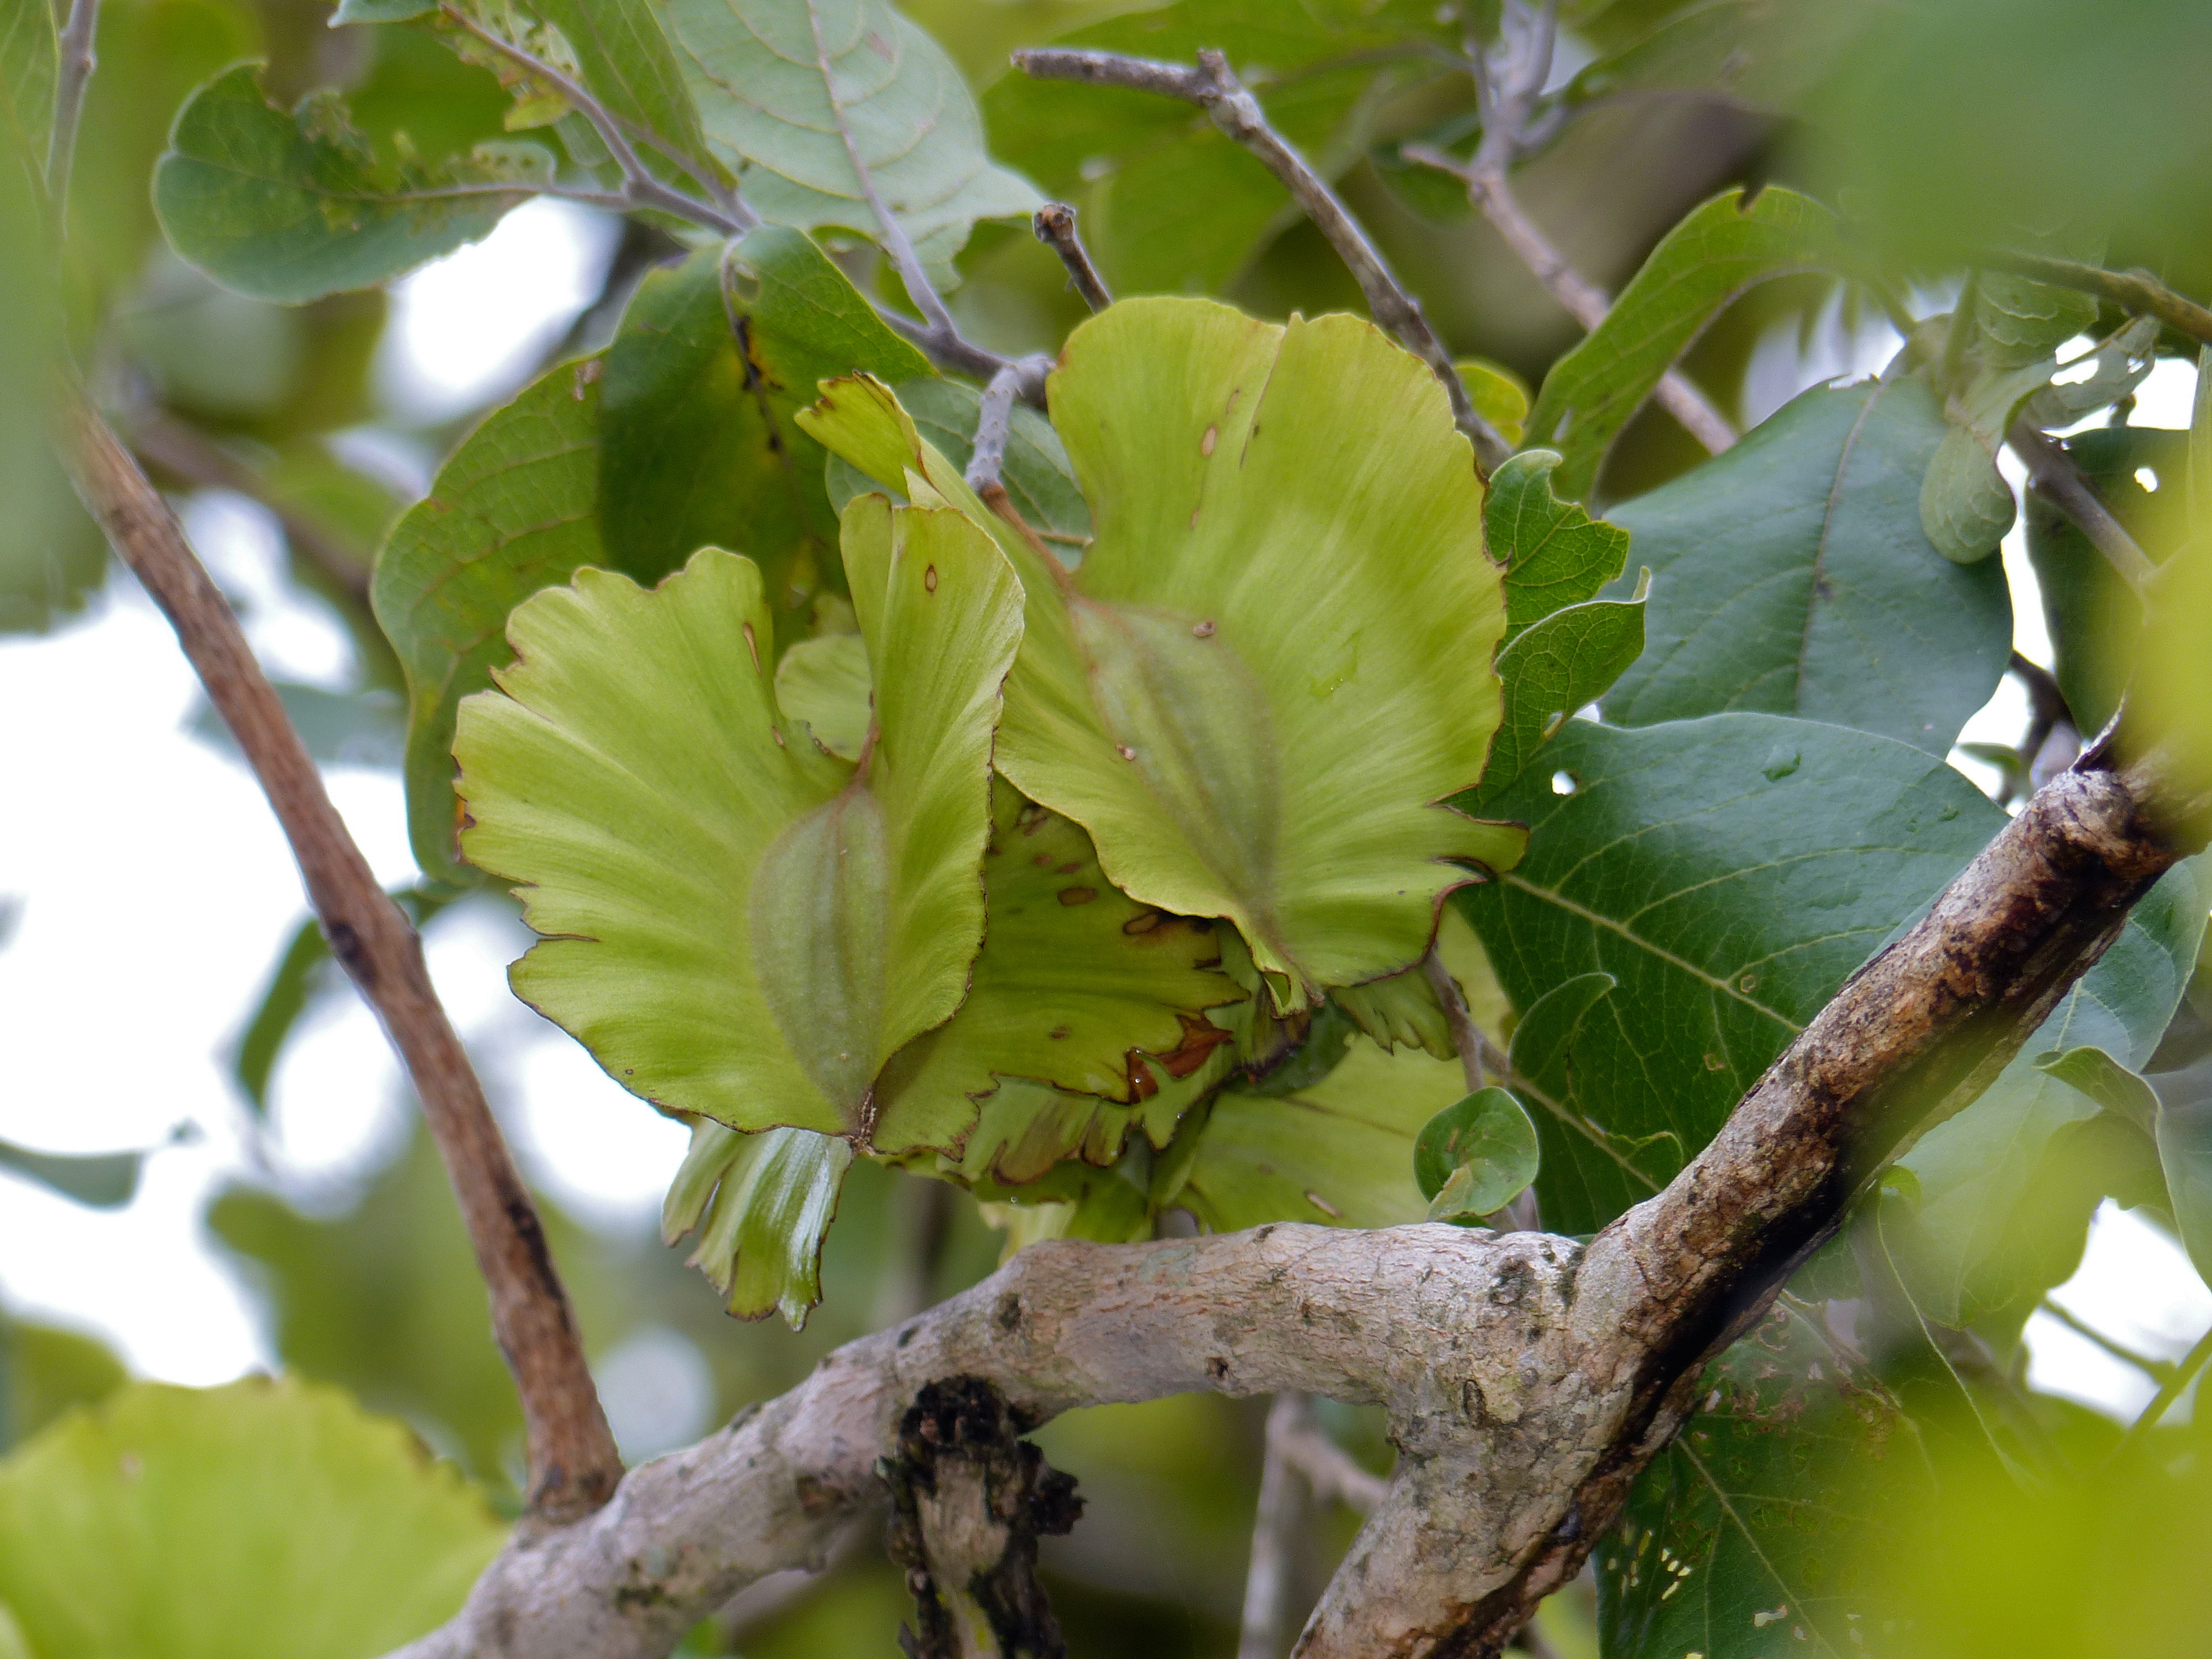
{"points": [[1713, 255], [1564, 663], [1729, 895], [1965, 505], [515, 509], [1544, 1039], [1475, 1157], [700, 448], [2184, 1151], [107, 1181], [1753, 53], [1555, 554], [1745, 1538], [628, 63], [2095, 618], [1791, 574], [288, 207], [339, 728]]}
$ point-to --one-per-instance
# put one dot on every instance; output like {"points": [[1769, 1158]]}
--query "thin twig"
{"points": [[175, 447], [640, 186], [1275, 1526], [73, 73], [1465, 1036], [2135, 291], [993, 426], [2051, 471], [573, 1465], [1326, 1466], [1214, 88], [1488, 189], [2159, 1370], [2169, 1391], [1054, 225]]}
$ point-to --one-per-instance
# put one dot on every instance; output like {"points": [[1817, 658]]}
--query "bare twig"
{"points": [[641, 187], [2051, 471], [1490, 192], [2159, 1370], [1325, 1466], [1054, 225], [2051, 740], [174, 447], [573, 1465], [72, 74], [993, 426], [1214, 88], [2135, 291], [2169, 1391], [1520, 1214], [1276, 1524]]}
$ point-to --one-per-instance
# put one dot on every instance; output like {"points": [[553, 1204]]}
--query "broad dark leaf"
{"points": [[105, 1181], [1730, 874], [1791, 574], [1747, 1538], [289, 207]]}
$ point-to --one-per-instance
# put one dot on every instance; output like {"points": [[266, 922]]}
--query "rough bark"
{"points": [[1528, 1379]]}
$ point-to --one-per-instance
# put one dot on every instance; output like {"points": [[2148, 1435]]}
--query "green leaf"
{"points": [[1338, 1152], [1555, 554], [28, 54], [761, 1204], [1714, 254], [1744, 1538], [626, 61], [105, 1181], [289, 207], [1728, 873], [1170, 205], [1035, 474], [45, 1371], [824, 683], [1991, 1222], [2184, 1152], [1749, 53], [1965, 505], [339, 728], [1223, 747], [702, 385], [1562, 664], [515, 509], [1474, 1157], [262, 1518], [2106, 1081], [1543, 1042], [1791, 575], [803, 93], [639, 780], [2095, 618]]}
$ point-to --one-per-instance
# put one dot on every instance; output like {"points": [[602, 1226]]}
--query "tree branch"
{"points": [[574, 1466], [2051, 471], [2135, 291], [1054, 225], [73, 74], [2169, 1390], [640, 186], [1489, 190], [1528, 1379], [1214, 88], [1276, 1522], [993, 426]]}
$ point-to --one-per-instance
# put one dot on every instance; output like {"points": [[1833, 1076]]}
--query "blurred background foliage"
{"points": [[1931, 128]]}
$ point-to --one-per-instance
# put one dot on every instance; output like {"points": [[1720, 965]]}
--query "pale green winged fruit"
{"points": [[738, 924], [1274, 660]]}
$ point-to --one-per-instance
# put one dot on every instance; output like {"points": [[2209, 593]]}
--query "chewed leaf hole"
{"points": [[1564, 783]]}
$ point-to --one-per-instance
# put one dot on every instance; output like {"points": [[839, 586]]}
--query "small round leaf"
{"points": [[1473, 1159]]}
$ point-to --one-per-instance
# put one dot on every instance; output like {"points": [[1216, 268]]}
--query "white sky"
{"points": [[154, 893]]}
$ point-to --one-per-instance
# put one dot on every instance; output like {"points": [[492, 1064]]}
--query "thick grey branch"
{"points": [[573, 1465], [1214, 88], [2052, 471]]}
